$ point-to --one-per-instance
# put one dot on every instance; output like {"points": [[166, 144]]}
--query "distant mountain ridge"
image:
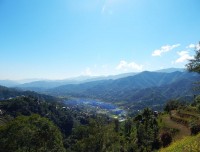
{"points": [[137, 90], [142, 80], [48, 84], [146, 87], [39, 85], [8, 83], [170, 70]]}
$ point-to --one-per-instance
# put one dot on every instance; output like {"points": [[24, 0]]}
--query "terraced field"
{"points": [[183, 130], [181, 119]]}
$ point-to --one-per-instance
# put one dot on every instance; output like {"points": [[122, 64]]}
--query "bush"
{"points": [[195, 129], [166, 139]]}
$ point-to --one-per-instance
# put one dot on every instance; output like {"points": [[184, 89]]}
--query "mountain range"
{"points": [[145, 88], [38, 84], [135, 90]]}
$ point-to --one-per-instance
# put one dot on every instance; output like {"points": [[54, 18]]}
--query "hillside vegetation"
{"points": [[187, 144], [80, 131], [183, 123], [83, 131]]}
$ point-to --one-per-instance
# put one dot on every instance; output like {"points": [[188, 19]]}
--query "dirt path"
{"points": [[184, 131]]}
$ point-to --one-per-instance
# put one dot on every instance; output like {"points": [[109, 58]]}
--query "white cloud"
{"points": [[194, 46], [183, 56], [164, 49], [191, 46], [125, 66], [198, 47]]}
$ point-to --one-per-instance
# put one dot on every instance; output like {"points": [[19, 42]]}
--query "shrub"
{"points": [[166, 139]]}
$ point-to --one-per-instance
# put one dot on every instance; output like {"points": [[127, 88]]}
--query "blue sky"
{"points": [[58, 39]]}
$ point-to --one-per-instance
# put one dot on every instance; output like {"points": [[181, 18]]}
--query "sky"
{"points": [[59, 39]]}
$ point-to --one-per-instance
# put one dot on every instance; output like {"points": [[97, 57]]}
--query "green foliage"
{"points": [[198, 107], [127, 127], [188, 144], [147, 131], [81, 131], [166, 139], [116, 121], [171, 105], [194, 128], [197, 102], [32, 105], [101, 136], [194, 64], [30, 134], [90, 137], [197, 99], [6, 93]]}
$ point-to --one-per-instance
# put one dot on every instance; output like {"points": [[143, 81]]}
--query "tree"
{"points": [[116, 122], [194, 64], [147, 130], [127, 127], [171, 105], [166, 139], [30, 134], [194, 127]]}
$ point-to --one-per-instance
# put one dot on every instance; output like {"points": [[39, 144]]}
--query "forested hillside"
{"points": [[71, 129], [9, 93], [146, 88]]}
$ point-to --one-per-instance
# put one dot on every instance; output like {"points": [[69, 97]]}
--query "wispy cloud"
{"points": [[194, 46], [164, 49], [191, 46], [183, 56], [125, 66]]}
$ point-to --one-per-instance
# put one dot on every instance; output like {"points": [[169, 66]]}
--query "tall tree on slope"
{"points": [[194, 64]]}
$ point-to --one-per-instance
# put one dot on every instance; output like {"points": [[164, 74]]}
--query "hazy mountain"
{"points": [[41, 85], [45, 84], [6, 93], [145, 88], [48, 84], [8, 83], [170, 70]]}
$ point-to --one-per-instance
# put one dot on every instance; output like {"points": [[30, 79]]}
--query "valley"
{"points": [[131, 92], [98, 107]]}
